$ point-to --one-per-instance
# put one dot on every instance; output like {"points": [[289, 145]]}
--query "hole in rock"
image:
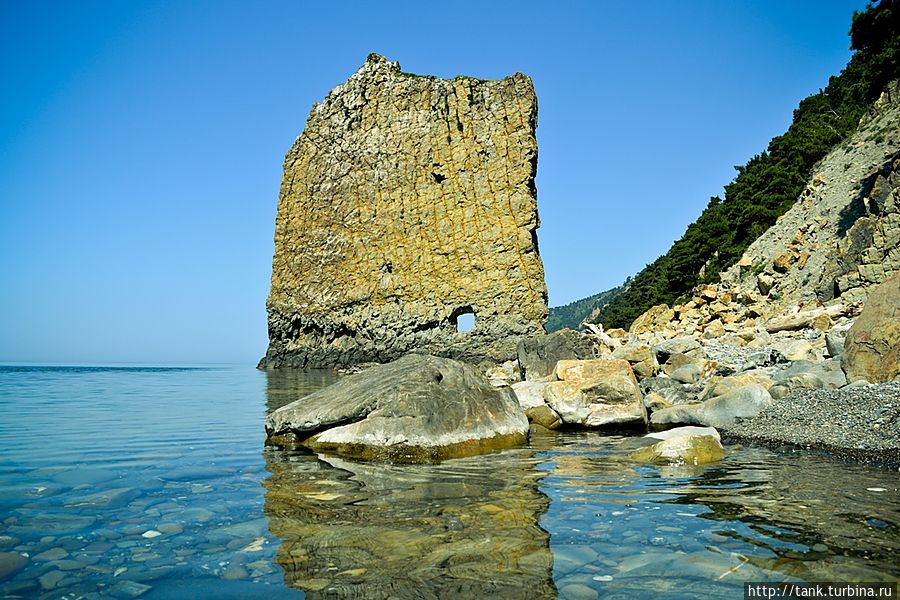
{"points": [[464, 320], [438, 178]]}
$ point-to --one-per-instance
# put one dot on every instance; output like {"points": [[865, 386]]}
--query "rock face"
{"points": [[538, 355], [872, 349], [407, 202], [417, 408]]}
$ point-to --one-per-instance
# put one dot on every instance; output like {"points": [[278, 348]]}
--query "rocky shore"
{"points": [[797, 343], [820, 377], [858, 422], [798, 379]]}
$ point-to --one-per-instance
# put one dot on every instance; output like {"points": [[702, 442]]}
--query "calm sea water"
{"points": [[156, 483]]}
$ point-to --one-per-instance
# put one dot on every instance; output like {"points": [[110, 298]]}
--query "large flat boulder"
{"points": [[720, 411], [872, 347], [596, 393], [417, 408]]}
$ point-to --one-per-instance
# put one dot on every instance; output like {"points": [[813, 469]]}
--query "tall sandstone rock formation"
{"points": [[407, 202]]}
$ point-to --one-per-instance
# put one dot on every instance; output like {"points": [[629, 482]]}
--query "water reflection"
{"points": [[572, 514], [283, 386], [463, 528], [466, 527], [817, 519], [624, 530]]}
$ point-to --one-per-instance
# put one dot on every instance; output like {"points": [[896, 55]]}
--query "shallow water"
{"points": [[155, 482]]}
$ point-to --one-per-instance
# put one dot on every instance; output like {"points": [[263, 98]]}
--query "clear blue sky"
{"points": [[141, 143]]}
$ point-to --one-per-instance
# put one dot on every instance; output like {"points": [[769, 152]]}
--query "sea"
{"points": [[157, 482]]}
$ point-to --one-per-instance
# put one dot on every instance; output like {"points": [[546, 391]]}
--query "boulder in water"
{"points": [[417, 408]]}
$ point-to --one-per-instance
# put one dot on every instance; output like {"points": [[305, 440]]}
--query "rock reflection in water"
{"points": [[625, 530], [463, 528], [283, 386], [818, 519]]}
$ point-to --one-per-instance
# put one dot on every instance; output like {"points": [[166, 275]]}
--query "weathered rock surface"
{"points": [[596, 393], [872, 347], [417, 408], [720, 411], [530, 394], [682, 445], [407, 202]]}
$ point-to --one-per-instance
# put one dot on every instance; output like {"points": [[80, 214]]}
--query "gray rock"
{"points": [[734, 359], [678, 360], [78, 477], [7, 542], [51, 554], [129, 589], [415, 408], [530, 394], [682, 445], [113, 498], [721, 411], [684, 344], [596, 393], [235, 571], [10, 564], [539, 354], [764, 283], [578, 591], [836, 338], [674, 392], [872, 350], [641, 357], [794, 349], [689, 373], [827, 372], [246, 529], [50, 579], [53, 522]]}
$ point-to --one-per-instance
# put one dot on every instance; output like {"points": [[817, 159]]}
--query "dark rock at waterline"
{"points": [[416, 408]]}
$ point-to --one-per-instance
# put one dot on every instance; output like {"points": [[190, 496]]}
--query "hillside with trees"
{"points": [[571, 315], [767, 186]]}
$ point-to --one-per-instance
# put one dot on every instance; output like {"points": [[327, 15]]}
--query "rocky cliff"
{"points": [[407, 202], [823, 257], [842, 237]]}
